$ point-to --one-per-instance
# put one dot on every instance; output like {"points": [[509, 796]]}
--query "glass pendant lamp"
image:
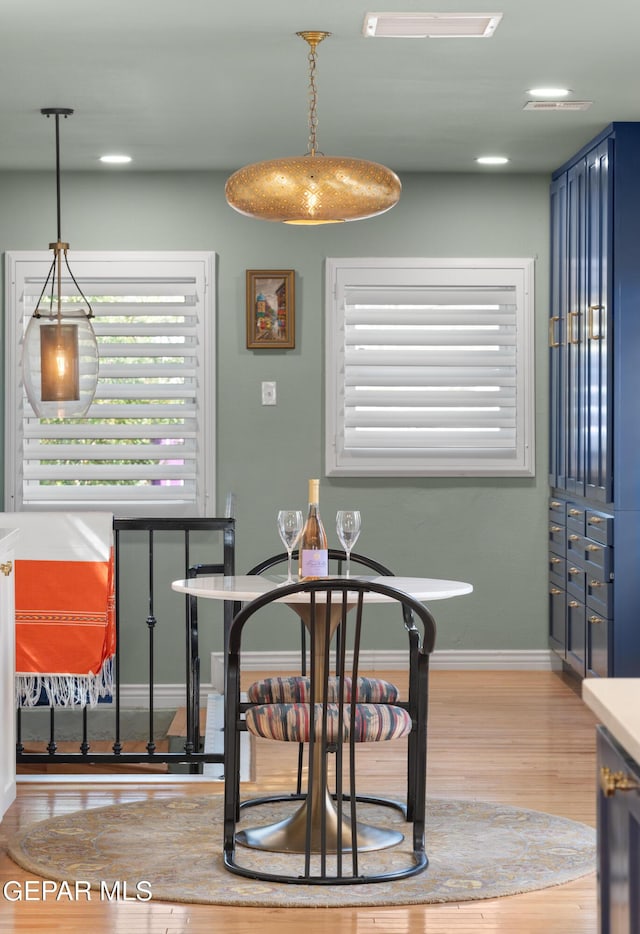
{"points": [[60, 357]]}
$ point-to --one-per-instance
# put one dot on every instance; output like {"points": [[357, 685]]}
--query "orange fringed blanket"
{"points": [[65, 631]]}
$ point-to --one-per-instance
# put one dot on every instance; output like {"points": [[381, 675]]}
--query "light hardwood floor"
{"points": [[522, 738]]}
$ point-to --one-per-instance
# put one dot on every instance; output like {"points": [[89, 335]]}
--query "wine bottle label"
{"points": [[315, 562]]}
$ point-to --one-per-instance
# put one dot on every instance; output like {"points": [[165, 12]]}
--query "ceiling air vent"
{"points": [[431, 25], [557, 105]]}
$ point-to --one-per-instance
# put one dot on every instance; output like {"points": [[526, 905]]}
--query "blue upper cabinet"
{"points": [[594, 369]]}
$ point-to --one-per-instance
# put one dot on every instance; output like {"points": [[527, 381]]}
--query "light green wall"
{"points": [[489, 532]]}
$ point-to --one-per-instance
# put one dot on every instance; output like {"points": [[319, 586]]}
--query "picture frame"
{"points": [[271, 313]]}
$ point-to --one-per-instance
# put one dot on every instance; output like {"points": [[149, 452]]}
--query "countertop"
{"points": [[616, 703]]}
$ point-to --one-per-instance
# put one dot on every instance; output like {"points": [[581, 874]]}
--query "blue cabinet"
{"points": [[594, 370], [618, 837]]}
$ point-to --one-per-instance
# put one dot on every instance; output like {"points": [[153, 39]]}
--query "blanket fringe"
{"points": [[64, 690]]}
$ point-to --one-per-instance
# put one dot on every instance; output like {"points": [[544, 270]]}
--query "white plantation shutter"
{"points": [[146, 446], [430, 367]]}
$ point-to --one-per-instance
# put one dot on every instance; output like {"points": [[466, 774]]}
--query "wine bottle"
{"points": [[314, 555]]}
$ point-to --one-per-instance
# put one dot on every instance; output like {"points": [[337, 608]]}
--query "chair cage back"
{"points": [[326, 830]]}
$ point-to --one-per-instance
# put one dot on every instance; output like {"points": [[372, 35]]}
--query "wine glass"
{"points": [[348, 529], [290, 523]]}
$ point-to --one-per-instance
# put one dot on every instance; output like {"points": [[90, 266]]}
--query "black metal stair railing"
{"points": [[192, 754]]}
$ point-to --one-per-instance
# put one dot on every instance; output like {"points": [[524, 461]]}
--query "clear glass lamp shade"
{"points": [[60, 364]]}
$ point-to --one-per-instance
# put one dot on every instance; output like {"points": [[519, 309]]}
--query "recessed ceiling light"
{"points": [[549, 93], [492, 160], [115, 159]]}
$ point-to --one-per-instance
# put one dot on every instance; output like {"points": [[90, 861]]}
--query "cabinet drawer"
{"points": [[557, 537], [599, 596], [599, 527], [577, 582], [576, 637], [557, 569], [596, 558], [558, 620], [597, 644], [575, 518], [557, 510]]}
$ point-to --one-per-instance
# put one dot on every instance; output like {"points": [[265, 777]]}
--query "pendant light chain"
{"points": [[313, 39], [313, 101]]}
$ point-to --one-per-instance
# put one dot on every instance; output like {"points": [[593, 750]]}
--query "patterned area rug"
{"points": [[476, 850]]}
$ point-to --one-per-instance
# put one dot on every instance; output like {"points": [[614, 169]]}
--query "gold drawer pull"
{"points": [[574, 538], [554, 504], [595, 520], [6, 567], [556, 528], [575, 571], [596, 620], [573, 604], [596, 584], [555, 592], [610, 782], [556, 560], [594, 548], [575, 512], [552, 327]]}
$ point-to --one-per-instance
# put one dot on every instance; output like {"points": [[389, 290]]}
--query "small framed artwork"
{"points": [[271, 312]]}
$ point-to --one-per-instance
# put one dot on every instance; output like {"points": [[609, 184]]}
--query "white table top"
{"points": [[248, 587], [616, 703]]}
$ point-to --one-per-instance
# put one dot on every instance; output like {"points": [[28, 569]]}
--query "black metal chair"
{"points": [[326, 830], [279, 689]]}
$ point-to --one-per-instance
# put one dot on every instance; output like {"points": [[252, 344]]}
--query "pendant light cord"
{"points": [[57, 116]]}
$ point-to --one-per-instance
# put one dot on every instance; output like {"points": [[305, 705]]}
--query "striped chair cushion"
{"points": [[296, 690], [291, 722]]}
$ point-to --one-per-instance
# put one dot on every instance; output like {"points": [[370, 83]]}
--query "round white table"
{"points": [[288, 835], [248, 587]]}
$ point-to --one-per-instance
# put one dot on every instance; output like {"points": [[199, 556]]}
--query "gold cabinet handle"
{"points": [[596, 620], [552, 331], [575, 571], [555, 560], [554, 504], [575, 512], [594, 548], [574, 538], [592, 334], [596, 584], [555, 528], [555, 592], [6, 567], [572, 320], [573, 604], [595, 520], [610, 782]]}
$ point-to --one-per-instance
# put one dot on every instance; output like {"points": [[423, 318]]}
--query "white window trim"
{"points": [[16, 265], [344, 273]]}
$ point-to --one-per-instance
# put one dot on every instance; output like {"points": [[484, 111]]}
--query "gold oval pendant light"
{"points": [[314, 188]]}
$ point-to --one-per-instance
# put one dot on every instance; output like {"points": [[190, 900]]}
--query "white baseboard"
{"points": [[169, 696], [450, 659], [173, 695]]}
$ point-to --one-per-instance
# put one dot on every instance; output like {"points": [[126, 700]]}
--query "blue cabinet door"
{"points": [[618, 837], [575, 328], [557, 334], [597, 330]]}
